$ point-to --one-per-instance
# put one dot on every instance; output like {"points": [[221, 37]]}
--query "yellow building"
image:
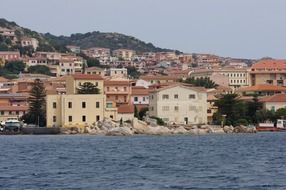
{"points": [[79, 110]]}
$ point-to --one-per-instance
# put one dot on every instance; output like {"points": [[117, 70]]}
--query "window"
{"points": [[165, 96], [70, 118], [176, 96], [109, 105], [83, 118], [116, 97], [96, 83], [273, 108], [70, 105], [107, 88], [97, 118], [135, 99], [17, 112], [97, 104], [54, 118], [125, 89], [176, 108], [192, 96], [2, 113], [165, 108], [83, 105], [54, 105], [144, 99], [10, 113], [152, 108]]}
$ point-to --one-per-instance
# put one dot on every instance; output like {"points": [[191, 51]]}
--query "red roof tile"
{"points": [[126, 109], [262, 87], [86, 77], [274, 98], [270, 64]]}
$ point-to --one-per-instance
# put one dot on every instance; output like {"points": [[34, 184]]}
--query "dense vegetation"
{"points": [[203, 82], [40, 69], [239, 112], [88, 88], [11, 69]]}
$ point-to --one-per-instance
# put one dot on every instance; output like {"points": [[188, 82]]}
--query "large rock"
{"points": [[244, 129], [180, 130], [119, 131], [158, 130], [199, 131], [139, 127], [228, 129]]}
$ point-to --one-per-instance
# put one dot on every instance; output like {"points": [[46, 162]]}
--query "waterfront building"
{"points": [[118, 90], [140, 97], [271, 71], [274, 102], [179, 104], [79, 110]]}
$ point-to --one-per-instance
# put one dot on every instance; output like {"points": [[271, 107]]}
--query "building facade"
{"points": [[179, 104]]}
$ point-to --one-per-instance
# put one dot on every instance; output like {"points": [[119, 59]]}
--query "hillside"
{"points": [[49, 42]]}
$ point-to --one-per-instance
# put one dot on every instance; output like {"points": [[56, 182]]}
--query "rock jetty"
{"points": [[112, 128]]}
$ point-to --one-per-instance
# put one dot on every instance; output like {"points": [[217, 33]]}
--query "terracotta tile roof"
{"points": [[274, 98], [262, 87], [139, 90], [197, 89], [116, 82], [155, 77], [14, 108], [2, 79], [86, 77], [270, 64], [126, 109]]}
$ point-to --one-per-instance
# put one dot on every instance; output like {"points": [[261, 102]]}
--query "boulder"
{"points": [[244, 129], [199, 131], [158, 130], [180, 130], [139, 127], [228, 129], [119, 131]]}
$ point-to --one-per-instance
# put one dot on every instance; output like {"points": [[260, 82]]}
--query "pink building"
{"points": [[9, 55]]}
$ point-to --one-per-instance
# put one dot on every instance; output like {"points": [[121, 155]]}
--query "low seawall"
{"points": [[40, 131]]}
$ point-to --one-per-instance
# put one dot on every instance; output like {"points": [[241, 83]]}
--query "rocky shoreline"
{"points": [[111, 128]]}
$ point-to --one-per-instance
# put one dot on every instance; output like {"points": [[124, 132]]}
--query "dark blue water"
{"points": [[144, 162]]}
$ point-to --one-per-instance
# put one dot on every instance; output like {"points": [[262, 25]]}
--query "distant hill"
{"points": [[49, 42]]}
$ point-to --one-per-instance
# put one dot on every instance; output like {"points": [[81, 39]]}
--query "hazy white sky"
{"points": [[237, 28]]}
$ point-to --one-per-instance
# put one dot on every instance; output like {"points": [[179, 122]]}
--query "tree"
{"points": [[15, 67], [135, 111], [132, 72], [280, 113], [40, 69], [252, 107], [88, 88], [265, 115], [142, 113], [203, 82], [36, 113]]}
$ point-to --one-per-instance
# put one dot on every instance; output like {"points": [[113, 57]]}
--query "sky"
{"points": [[234, 28]]}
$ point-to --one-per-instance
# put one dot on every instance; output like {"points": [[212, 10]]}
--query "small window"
{"points": [[97, 104], [116, 97], [54, 118], [165, 96], [176, 96], [54, 105], [2, 112], [125, 89], [136, 99], [17, 112], [144, 99], [83, 105], [83, 118], [176, 108], [70, 118], [70, 104], [97, 118], [165, 108], [192, 96]]}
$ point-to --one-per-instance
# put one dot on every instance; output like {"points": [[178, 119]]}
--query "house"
{"points": [[10, 55], [70, 64], [26, 41], [126, 112], [262, 90], [117, 73], [140, 97], [158, 79], [74, 49], [96, 71], [179, 104], [79, 110], [125, 54], [270, 71], [118, 90], [13, 105], [274, 102], [97, 52]]}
